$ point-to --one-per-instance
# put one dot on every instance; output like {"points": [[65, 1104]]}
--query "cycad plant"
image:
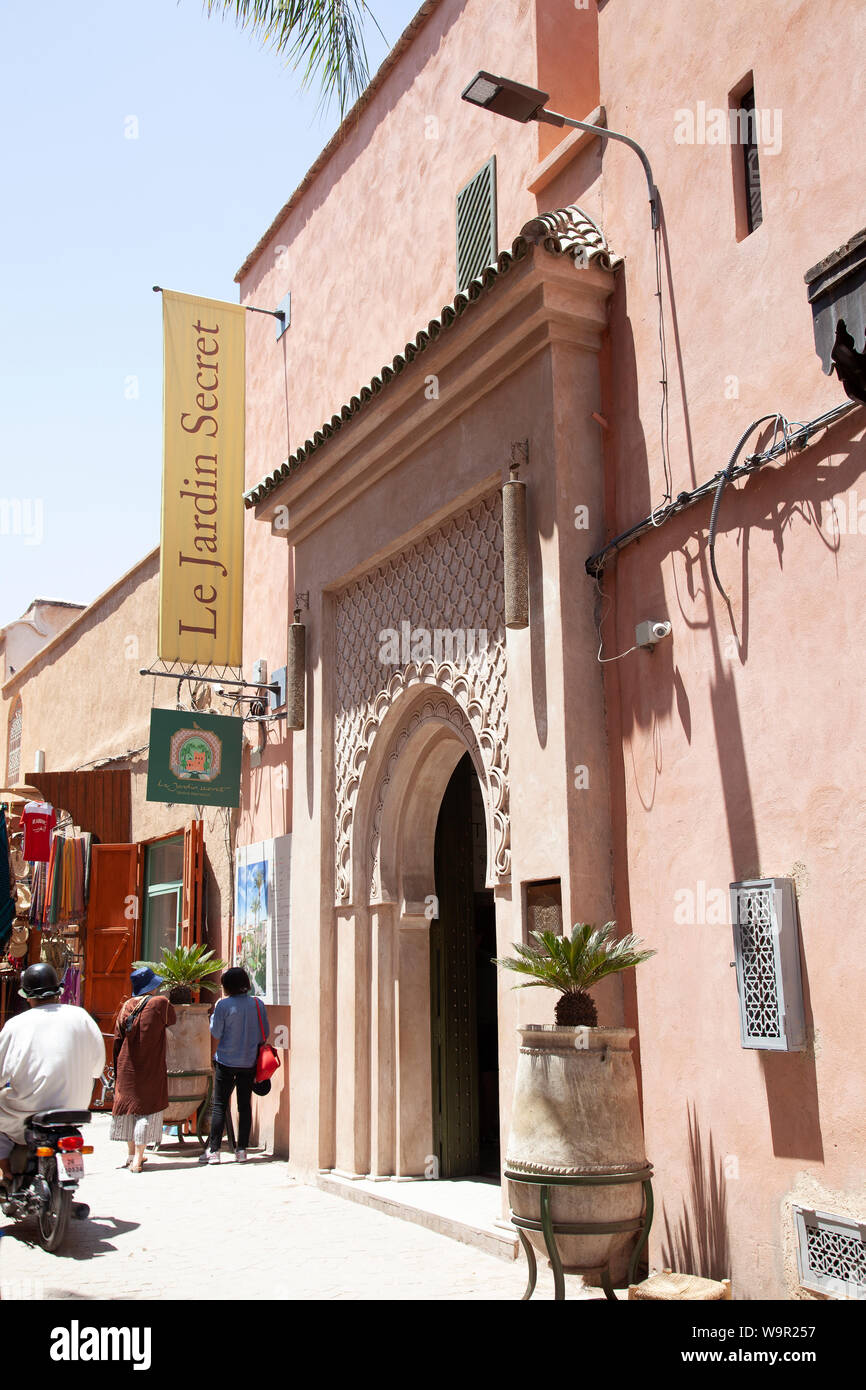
{"points": [[183, 969], [574, 965]]}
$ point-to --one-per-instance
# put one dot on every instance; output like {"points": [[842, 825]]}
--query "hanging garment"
{"points": [[55, 880], [37, 894], [38, 821], [7, 885], [71, 986]]}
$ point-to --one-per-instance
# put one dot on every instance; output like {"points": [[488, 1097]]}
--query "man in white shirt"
{"points": [[49, 1059]]}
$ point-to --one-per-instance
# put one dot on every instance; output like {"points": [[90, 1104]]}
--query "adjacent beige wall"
{"points": [[86, 705]]}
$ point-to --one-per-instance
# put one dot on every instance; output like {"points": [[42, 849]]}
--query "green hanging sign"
{"points": [[194, 758]]}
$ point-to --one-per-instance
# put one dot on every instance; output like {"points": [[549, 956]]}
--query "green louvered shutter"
{"points": [[476, 224]]}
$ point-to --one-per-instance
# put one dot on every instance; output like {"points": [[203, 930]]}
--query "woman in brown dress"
{"points": [[140, 1078]]}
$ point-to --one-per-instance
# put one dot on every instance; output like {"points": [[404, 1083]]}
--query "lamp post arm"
{"points": [[554, 118]]}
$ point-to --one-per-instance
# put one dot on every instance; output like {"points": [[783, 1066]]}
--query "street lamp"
{"points": [[506, 98]]}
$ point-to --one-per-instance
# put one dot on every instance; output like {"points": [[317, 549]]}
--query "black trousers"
{"points": [[224, 1082]]}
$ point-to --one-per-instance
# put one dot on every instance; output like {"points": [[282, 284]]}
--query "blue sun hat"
{"points": [[144, 981]]}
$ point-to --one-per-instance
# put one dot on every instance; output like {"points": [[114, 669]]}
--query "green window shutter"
{"points": [[477, 243]]}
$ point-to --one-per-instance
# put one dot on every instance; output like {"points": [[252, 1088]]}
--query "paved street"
{"points": [[180, 1230]]}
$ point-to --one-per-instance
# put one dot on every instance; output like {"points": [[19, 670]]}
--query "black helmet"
{"points": [[39, 982]]}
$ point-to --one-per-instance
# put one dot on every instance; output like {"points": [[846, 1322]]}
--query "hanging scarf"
{"points": [[7, 885]]}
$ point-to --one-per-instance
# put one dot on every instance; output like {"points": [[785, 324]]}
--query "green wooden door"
{"points": [[452, 986]]}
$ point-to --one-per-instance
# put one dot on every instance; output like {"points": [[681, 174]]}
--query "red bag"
{"points": [[267, 1060]]}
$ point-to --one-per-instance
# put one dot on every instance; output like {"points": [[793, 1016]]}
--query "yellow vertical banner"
{"points": [[201, 573]]}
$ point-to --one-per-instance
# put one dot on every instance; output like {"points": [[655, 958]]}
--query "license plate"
{"points": [[73, 1164]]}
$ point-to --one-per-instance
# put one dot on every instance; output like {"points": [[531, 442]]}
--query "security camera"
{"points": [[648, 633]]}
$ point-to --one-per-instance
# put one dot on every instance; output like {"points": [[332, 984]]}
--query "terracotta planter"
{"points": [[576, 1112], [187, 1049]]}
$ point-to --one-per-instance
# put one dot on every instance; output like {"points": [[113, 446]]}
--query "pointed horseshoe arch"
{"points": [[418, 746]]}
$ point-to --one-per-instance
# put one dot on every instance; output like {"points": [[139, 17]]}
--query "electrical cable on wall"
{"points": [[795, 436], [725, 477], [603, 659], [664, 410]]}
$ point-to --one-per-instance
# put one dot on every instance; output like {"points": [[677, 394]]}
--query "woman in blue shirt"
{"points": [[236, 1028]]}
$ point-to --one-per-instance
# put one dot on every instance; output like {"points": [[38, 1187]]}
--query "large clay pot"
{"points": [[576, 1112], [187, 1049]]}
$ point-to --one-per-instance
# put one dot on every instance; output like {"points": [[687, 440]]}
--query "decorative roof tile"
{"points": [[567, 232]]}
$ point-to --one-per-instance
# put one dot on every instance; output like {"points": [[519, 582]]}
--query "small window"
{"points": [[477, 243], [744, 121], [544, 906], [13, 754], [163, 894]]}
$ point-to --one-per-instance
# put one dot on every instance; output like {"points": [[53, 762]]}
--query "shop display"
{"points": [[60, 886], [38, 821]]}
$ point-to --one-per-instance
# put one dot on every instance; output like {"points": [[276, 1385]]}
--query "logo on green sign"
{"points": [[194, 756]]}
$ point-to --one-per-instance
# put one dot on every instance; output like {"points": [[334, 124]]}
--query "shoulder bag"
{"points": [[267, 1060]]}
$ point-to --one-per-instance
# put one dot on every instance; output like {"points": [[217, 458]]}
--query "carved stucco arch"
{"points": [[451, 579], [422, 738]]}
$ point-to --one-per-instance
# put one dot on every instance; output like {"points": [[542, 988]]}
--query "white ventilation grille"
{"points": [[761, 1002], [831, 1253], [767, 951], [476, 224]]}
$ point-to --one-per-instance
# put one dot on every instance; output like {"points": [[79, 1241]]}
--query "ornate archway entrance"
{"points": [[421, 847], [463, 988]]}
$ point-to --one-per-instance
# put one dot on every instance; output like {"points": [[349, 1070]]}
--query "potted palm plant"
{"points": [[183, 969], [576, 1112], [188, 1051]]}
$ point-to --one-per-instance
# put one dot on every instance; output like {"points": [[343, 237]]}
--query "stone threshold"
{"points": [[464, 1209]]}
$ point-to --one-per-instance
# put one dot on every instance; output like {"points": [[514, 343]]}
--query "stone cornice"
{"points": [[544, 298]]}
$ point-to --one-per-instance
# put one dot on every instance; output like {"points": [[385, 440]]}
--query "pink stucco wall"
{"points": [[729, 749], [738, 758]]}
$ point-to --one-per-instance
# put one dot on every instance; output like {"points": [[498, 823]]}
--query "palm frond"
{"points": [[573, 964], [184, 965], [326, 35]]}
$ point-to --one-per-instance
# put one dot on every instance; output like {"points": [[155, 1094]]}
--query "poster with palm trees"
{"points": [[252, 926], [260, 939]]}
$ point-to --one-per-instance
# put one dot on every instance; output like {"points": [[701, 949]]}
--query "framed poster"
{"points": [[261, 943]]}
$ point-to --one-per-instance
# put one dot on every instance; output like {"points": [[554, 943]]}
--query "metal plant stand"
{"points": [[202, 1109], [550, 1229]]}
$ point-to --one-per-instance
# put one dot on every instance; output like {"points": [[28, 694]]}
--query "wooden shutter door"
{"points": [[113, 935], [192, 908]]}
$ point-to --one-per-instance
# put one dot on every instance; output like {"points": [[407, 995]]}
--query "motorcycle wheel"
{"points": [[54, 1218]]}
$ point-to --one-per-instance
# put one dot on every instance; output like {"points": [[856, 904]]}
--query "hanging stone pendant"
{"points": [[514, 542], [296, 673]]}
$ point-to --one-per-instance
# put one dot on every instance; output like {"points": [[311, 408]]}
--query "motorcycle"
{"points": [[46, 1170]]}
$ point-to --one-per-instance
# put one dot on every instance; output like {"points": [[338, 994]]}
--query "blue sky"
{"points": [[92, 219]]}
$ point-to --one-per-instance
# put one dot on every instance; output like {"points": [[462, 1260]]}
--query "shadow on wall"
{"points": [[791, 1083], [699, 1243]]}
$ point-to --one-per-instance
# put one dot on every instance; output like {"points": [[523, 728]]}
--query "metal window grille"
{"points": [[13, 758], [477, 243], [767, 957], [754, 215], [831, 1253]]}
